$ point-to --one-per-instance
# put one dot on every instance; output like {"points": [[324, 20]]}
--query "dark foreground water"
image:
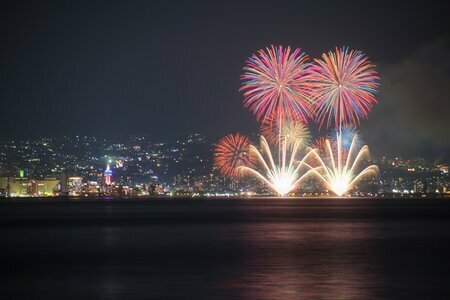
{"points": [[225, 249]]}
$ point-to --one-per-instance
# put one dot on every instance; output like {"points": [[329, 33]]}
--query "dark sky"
{"points": [[99, 68]]}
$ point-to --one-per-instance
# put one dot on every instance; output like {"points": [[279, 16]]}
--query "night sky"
{"points": [[168, 68]]}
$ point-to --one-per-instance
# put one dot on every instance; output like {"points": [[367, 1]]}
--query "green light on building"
{"points": [[21, 173]]}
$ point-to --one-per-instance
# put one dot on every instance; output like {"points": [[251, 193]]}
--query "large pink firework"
{"points": [[344, 84], [231, 152], [276, 81]]}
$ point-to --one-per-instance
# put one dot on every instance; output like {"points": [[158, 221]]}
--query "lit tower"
{"points": [[107, 174]]}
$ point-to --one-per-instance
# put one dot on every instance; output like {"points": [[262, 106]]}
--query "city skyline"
{"points": [[76, 73], [182, 166]]}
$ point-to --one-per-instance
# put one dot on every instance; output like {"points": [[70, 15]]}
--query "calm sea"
{"points": [[225, 249]]}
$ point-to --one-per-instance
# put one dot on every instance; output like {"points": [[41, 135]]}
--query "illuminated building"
{"points": [[44, 187], [92, 188], [4, 186], [75, 186], [18, 187], [107, 174], [48, 186], [24, 187]]}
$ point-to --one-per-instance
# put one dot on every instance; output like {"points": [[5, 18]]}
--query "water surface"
{"points": [[225, 249]]}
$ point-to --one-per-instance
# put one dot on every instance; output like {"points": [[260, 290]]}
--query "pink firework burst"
{"points": [[276, 81], [344, 86]]}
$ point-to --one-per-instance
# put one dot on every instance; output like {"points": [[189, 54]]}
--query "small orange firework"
{"points": [[321, 145]]}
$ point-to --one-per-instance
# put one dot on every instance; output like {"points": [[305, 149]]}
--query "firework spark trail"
{"points": [[343, 86], [284, 176], [339, 171], [276, 81], [231, 152]]}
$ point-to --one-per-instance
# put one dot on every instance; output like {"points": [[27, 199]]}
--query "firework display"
{"points": [[231, 152], [276, 81], [282, 177], [283, 91], [338, 169], [291, 131], [343, 86]]}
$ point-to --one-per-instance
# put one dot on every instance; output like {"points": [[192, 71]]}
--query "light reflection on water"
{"points": [[307, 260]]}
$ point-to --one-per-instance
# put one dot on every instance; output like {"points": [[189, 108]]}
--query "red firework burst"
{"points": [[231, 152]]}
